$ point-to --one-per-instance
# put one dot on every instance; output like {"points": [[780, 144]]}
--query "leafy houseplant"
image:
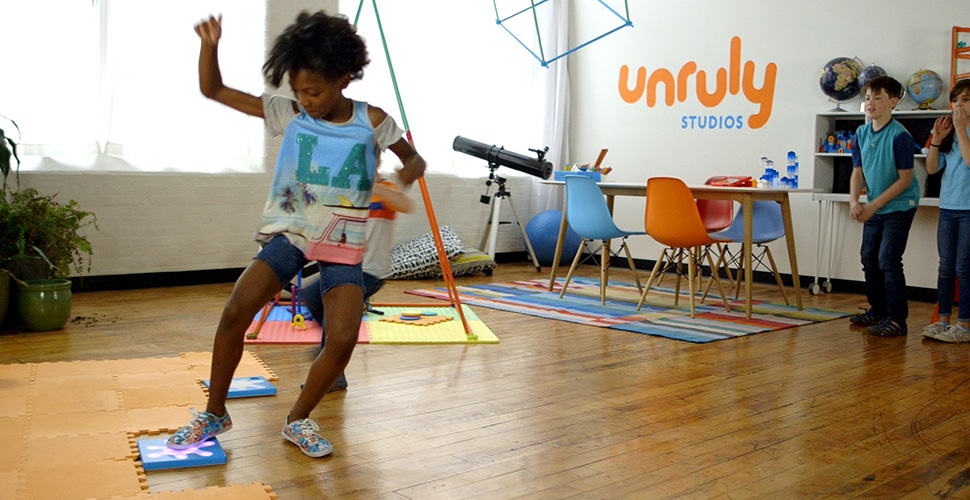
{"points": [[38, 229]]}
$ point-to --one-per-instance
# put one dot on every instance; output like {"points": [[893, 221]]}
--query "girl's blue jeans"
{"points": [[953, 242]]}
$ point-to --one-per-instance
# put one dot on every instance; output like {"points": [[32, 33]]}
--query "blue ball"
{"points": [[543, 231]]}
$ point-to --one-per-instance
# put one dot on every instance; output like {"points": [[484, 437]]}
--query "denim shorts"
{"points": [[286, 260]]}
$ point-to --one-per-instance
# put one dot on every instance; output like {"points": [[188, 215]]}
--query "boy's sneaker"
{"points": [[933, 329], [202, 427], [303, 433], [888, 328], [955, 334], [867, 317]]}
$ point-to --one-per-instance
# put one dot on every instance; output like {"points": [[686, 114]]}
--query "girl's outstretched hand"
{"points": [[941, 127], [210, 30]]}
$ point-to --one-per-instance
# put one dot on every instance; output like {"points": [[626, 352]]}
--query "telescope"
{"points": [[500, 157]]}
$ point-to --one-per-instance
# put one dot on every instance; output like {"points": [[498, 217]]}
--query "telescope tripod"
{"points": [[490, 235]]}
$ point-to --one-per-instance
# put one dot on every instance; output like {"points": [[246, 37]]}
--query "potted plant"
{"points": [[39, 231]]}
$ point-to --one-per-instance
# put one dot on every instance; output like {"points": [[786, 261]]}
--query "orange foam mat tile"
{"points": [[82, 448], [250, 365], [84, 480], [72, 424], [14, 394], [11, 443], [83, 383], [147, 365], [254, 491], [158, 419], [72, 368], [73, 402], [183, 377], [16, 371], [164, 395], [10, 482]]}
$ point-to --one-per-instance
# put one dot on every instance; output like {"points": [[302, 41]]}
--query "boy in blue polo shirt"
{"points": [[882, 157]]}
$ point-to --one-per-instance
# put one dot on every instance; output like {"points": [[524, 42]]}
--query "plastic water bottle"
{"points": [[793, 169]]}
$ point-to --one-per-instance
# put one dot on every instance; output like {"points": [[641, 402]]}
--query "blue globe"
{"points": [[924, 87], [840, 79], [869, 72]]}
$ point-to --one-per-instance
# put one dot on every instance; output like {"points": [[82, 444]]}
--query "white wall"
{"points": [[799, 38], [176, 222]]}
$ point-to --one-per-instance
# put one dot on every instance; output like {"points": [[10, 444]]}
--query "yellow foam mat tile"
{"points": [[11, 443], [70, 424], [85, 480], [183, 377], [73, 383], [68, 450], [163, 395], [254, 491], [449, 332], [78, 401], [164, 419]]}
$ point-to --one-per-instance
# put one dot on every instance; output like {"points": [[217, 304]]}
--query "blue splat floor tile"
{"points": [[155, 455], [244, 387]]}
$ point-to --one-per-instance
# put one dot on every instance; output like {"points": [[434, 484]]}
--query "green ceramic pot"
{"points": [[44, 304]]}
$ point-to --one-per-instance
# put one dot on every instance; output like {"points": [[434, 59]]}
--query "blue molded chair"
{"points": [[767, 225], [590, 217]]}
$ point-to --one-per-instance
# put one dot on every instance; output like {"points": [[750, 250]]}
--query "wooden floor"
{"points": [[558, 410]]}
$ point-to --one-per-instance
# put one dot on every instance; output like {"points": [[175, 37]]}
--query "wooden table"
{"points": [[745, 195]]}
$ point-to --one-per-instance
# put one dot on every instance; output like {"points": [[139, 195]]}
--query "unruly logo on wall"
{"points": [[692, 83]]}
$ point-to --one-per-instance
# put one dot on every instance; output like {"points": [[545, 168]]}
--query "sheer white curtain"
{"points": [[555, 114], [108, 82], [458, 73]]}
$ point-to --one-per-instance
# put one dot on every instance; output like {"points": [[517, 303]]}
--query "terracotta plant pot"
{"points": [[44, 304]]}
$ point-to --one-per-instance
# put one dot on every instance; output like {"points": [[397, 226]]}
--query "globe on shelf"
{"points": [[868, 73], [840, 80], [924, 87]]}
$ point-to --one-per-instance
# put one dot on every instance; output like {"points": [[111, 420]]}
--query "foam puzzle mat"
{"points": [[375, 331], [80, 422]]}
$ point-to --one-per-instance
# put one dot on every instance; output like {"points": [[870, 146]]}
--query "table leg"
{"points": [[747, 205], [793, 260], [560, 241]]}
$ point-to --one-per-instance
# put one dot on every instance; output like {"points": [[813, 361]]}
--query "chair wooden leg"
{"points": [[691, 269], [604, 269], [781, 285], [663, 255], [633, 267], [720, 289], [646, 290], [572, 268]]}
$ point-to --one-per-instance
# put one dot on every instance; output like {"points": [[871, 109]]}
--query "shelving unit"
{"points": [[957, 53], [832, 171]]}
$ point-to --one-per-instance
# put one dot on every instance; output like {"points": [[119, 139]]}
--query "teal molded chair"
{"points": [[767, 225], [590, 218]]}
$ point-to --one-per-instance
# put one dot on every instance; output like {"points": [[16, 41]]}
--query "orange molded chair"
{"points": [[717, 215], [673, 220]]}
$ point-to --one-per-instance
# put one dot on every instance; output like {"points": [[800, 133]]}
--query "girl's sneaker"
{"points": [[933, 329], [303, 433], [202, 427], [955, 334]]}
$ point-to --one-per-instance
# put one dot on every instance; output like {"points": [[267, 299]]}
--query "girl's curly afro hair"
{"points": [[326, 44]]}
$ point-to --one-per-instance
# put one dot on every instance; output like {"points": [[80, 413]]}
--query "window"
{"points": [[458, 73], [114, 84]]}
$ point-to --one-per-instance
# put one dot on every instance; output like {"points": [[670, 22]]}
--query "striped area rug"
{"points": [[658, 316]]}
